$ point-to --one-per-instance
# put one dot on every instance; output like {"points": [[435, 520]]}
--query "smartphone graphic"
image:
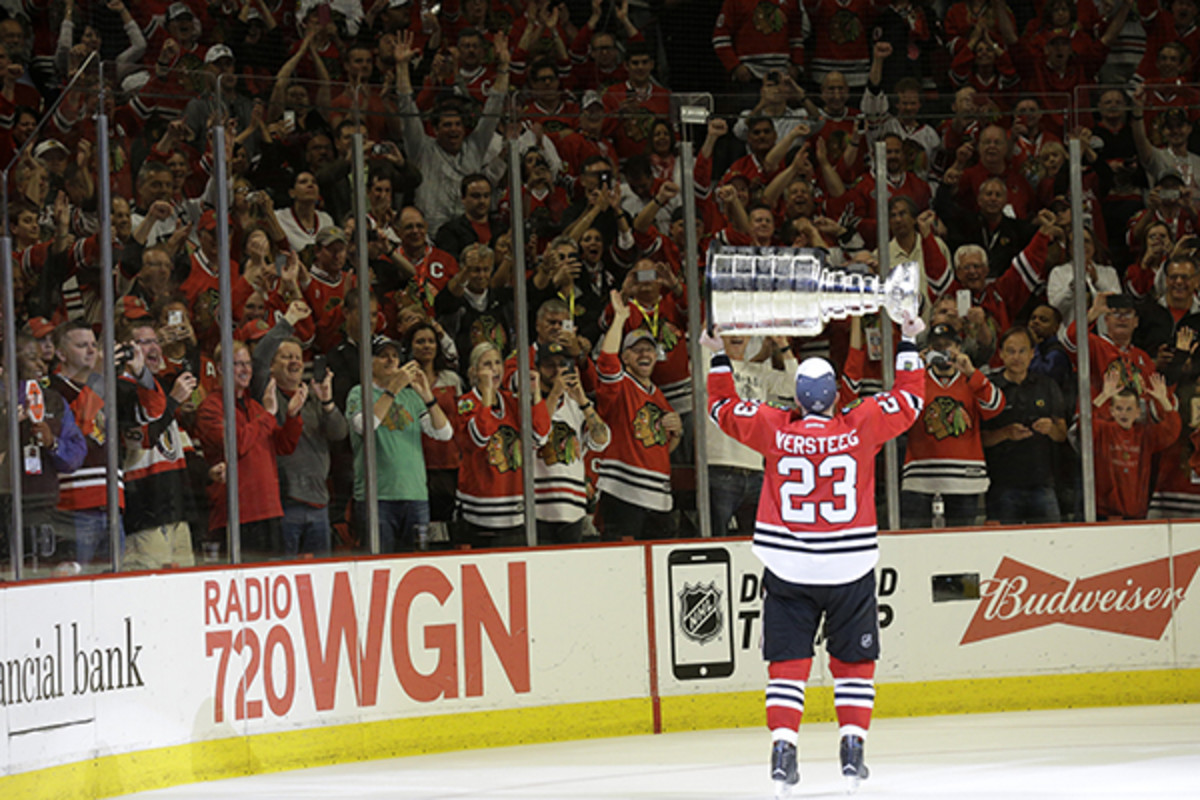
{"points": [[701, 610]]}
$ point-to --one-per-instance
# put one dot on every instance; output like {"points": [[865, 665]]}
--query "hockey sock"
{"points": [[785, 697], [853, 695]]}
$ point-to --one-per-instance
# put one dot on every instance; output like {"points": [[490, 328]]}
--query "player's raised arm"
{"points": [[903, 402], [749, 421]]}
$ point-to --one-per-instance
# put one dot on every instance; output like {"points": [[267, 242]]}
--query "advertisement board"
{"points": [[125, 664]]}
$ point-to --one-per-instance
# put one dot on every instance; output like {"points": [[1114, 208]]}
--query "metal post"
{"points": [[890, 450], [524, 376], [366, 327], [1087, 456], [11, 389], [16, 543], [112, 440], [225, 320], [691, 276]]}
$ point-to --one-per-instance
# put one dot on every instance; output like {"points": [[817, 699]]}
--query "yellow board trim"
{"points": [[928, 698], [312, 747]]}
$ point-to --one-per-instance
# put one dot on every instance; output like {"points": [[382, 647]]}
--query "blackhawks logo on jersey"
{"points": [[504, 449], [648, 426], [1130, 377], [419, 293], [670, 337], [398, 418], [488, 329], [638, 123], [768, 18], [562, 447], [946, 417], [208, 305], [845, 28]]}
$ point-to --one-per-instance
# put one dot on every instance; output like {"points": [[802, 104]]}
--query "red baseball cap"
{"points": [[252, 331], [133, 307], [40, 327]]}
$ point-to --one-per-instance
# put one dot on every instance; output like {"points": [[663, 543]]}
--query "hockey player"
{"points": [[815, 534]]}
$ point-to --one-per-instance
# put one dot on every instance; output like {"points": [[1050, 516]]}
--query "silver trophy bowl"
{"points": [[789, 291]]}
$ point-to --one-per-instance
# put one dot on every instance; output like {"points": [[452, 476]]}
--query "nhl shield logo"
{"points": [[700, 616]]}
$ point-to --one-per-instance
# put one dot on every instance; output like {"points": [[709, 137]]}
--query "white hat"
{"points": [[50, 144], [217, 52]]}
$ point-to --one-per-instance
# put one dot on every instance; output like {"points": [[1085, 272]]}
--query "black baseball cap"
{"points": [[549, 352], [379, 343], [1122, 300], [944, 331]]}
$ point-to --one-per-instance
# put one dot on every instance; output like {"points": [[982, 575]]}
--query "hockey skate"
{"points": [[784, 771], [853, 767]]}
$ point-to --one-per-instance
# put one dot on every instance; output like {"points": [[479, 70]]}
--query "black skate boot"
{"points": [[853, 767], [784, 771]]}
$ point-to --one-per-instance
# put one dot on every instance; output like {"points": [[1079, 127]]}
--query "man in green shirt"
{"points": [[403, 407]]}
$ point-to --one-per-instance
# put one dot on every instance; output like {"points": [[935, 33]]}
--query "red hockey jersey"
{"points": [[945, 453], [637, 464], [490, 488], [762, 35], [327, 301], [1134, 364], [816, 515]]}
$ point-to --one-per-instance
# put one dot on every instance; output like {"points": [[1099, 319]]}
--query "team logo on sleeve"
{"points": [[946, 417], [504, 449], [647, 426], [466, 405]]}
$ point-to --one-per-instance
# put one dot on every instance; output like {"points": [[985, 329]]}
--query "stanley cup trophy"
{"points": [[787, 291]]}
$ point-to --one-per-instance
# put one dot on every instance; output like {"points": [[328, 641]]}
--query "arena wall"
{"points": [[117, 684]]}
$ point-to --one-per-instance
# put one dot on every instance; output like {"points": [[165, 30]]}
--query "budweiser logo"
{"points": [[1134, 601]]}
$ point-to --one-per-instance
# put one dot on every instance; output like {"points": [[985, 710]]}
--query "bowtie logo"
{"points": [[1132, 601]]}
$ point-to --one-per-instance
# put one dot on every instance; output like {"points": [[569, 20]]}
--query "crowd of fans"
{"points": [[976, 102]]}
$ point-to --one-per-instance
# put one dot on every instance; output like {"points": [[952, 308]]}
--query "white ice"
{"points": [[1127, 753]]}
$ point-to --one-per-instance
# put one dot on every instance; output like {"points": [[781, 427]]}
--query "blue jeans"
{"points": [[398, 521], [1016, 505], [730, 488], [306, 529], [88, 530]]}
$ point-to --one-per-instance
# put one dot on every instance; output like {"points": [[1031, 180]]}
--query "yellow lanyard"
{"points": [[570, 298], [651, 322]]}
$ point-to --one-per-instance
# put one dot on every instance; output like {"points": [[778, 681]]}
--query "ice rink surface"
{"points": [[1128, 753]]}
